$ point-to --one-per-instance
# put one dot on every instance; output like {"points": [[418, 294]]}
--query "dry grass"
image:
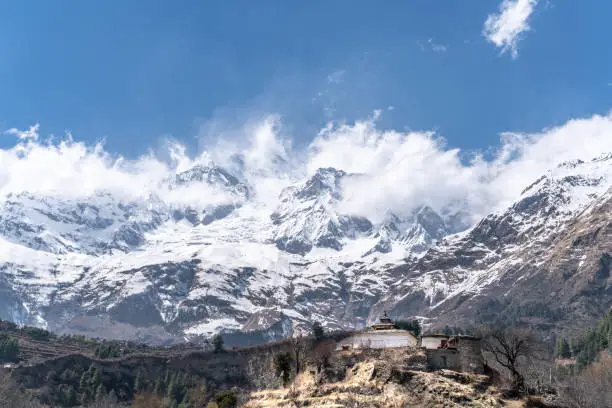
{"points": [[381, 382]]}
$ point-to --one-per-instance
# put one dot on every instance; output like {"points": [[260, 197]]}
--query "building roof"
{"points": [[384, 323], [441, 335], [448, 336]]}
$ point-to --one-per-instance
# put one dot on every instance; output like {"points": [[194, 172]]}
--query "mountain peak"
{"points": [[151, 263], [603, 157], [212, 175], [324, 180]]}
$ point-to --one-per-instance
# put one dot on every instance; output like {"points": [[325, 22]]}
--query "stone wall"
{"points": [[471, 355], [467, 357], [443, 359]]}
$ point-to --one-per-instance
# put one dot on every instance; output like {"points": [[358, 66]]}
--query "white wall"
{"points": [[380, 339], [431, 342]]}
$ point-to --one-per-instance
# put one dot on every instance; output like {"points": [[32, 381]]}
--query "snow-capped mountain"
{"points": [[418, 232], [544, 257], [158, 270], [212, 175]]}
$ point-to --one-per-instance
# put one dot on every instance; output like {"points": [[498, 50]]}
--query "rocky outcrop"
{"points": [[380, 380]]}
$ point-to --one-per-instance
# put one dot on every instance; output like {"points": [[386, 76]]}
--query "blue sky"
{"points": [[133, 72]]}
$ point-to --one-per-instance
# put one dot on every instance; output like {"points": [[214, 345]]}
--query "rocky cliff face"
{"points": [[160, 271], [542, 260]]}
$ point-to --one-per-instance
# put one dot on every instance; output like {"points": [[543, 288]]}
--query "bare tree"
{"points": [[11, 396], [322, 353], [591, 388], [299, 350], [510, 348], [104, 402], [147, 400]]}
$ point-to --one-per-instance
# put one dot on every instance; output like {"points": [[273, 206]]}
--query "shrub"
{"points": [[226, 400], [218, 343], [317, 331], [108, 350], [282, 363], [9, 349], [410, 325], [36, 334]]}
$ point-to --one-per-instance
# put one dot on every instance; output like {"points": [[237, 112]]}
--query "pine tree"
{"points": [[317, 331], [138, 383], [410, 325], [50, 377], [84, 397], [112, 397], [84, 381], [9, 349], [218, 343], [562, 348], [100, 392], [171, 389], [95, 378], [159, 386], [175, 388], [71, 398], [185, 402]]}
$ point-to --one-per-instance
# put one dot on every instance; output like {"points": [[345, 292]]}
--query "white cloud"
{"points": [[336, 77], [433, 46], [30, 134], [437, 47], [400, 169], [406, 169], [75, 170], [505, 28]]}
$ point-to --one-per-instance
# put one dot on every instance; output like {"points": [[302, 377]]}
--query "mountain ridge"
{"points": [[93, 265]]}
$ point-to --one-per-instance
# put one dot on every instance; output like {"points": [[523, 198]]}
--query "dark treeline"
{"points": [[221, 376], [9, 349], [587, 348], [413, 326]]}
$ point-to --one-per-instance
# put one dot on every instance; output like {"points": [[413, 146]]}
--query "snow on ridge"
{"points": [[235, 258], [212, 327]]}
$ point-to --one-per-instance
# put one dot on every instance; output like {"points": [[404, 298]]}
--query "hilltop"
{"points": [[75, 371], [381, 379]]}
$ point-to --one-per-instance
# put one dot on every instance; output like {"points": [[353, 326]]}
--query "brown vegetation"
{"points": [[592, 388], [147, 400], [11, 396], [377, 378], [511, 348], [295, 372]]}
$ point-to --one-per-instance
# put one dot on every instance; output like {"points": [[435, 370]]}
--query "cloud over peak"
{"points": [[400, 170], [508, 25]]}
